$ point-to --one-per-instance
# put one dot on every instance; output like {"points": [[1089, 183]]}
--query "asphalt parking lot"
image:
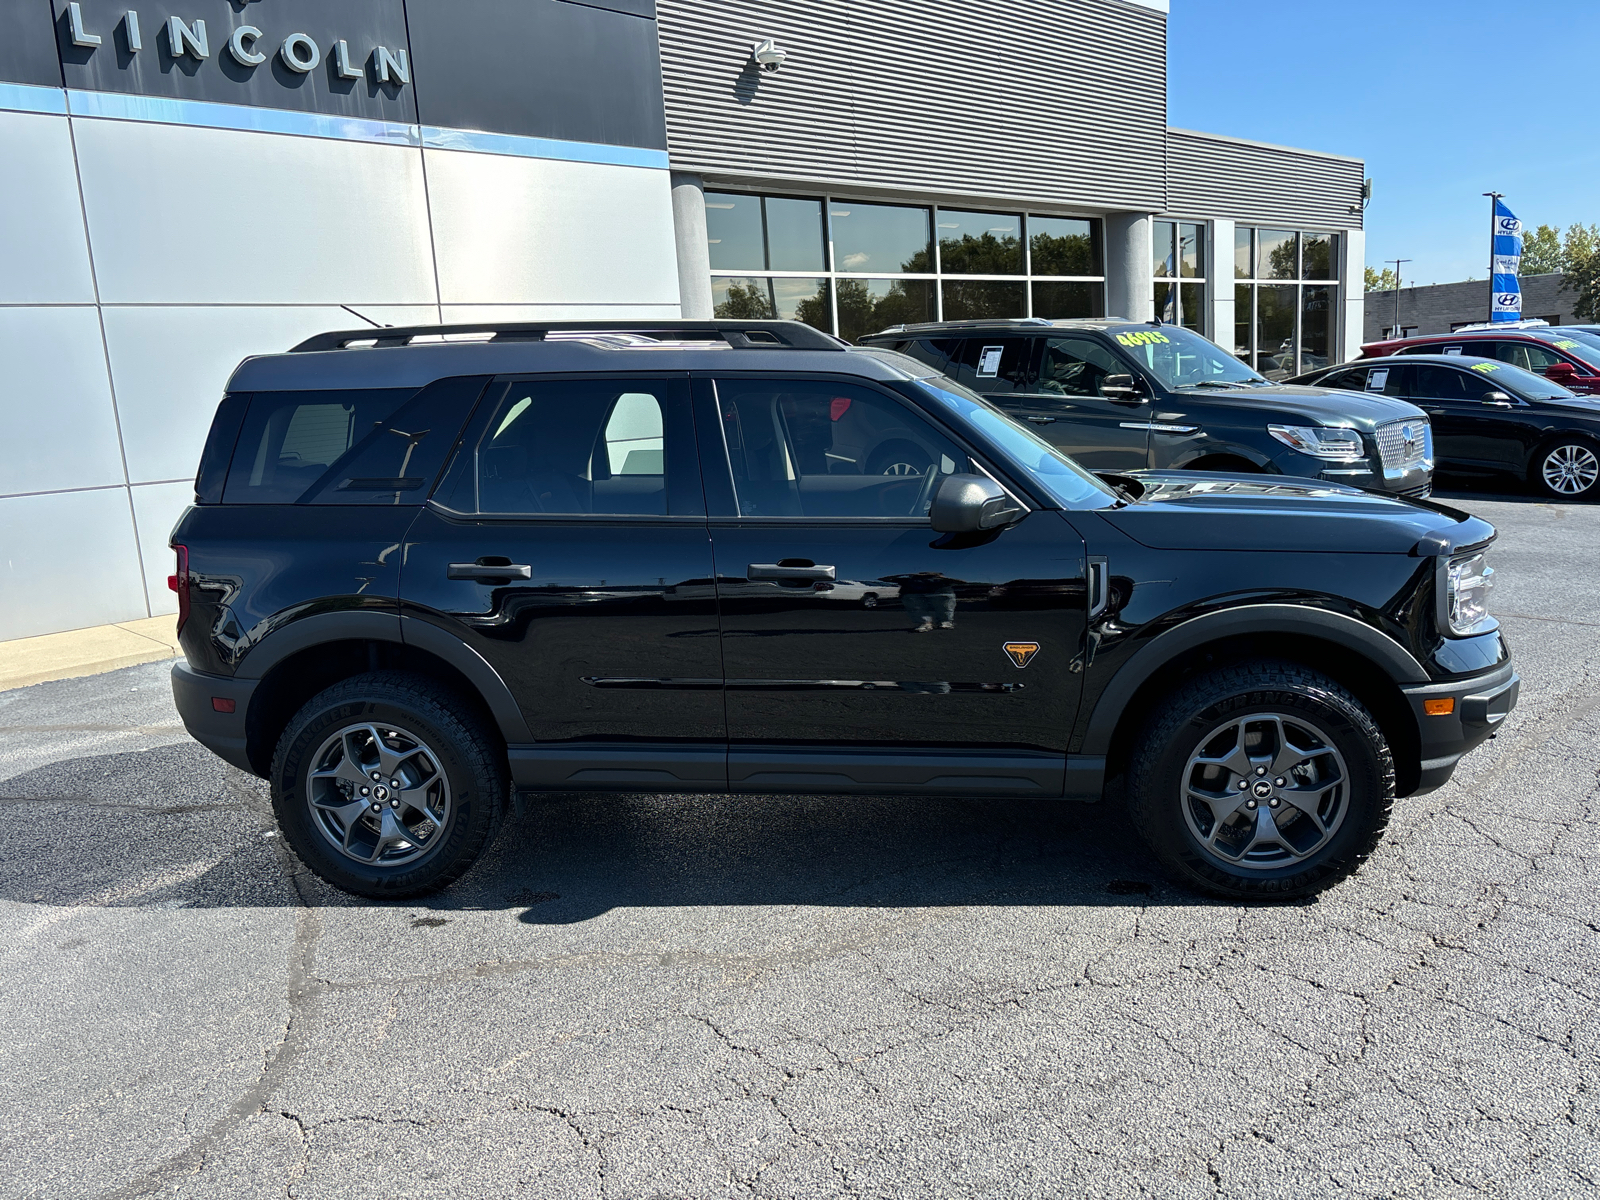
{"points": [[666, 996]]}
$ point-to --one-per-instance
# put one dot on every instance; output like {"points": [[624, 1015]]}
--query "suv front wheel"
{"points": [[385, 786], [1262, 780]]}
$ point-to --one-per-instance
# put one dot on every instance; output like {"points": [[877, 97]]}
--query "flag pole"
{"points": [[1493, 197]]}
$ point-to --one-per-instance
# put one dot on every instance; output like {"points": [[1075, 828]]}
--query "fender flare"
{"points": [[1391, 657], [318, 629]]}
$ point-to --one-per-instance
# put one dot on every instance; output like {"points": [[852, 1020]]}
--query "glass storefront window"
{"points": [[1162, 237], [1317, 256], [868, 305], [973, 243], [1063, 301], [794, 235], [1275, 321], [972, 300], [1243, 260], [733, 229], [1192, 300], [1191, 251], [764, 298], [1278, 254], [1063, 246], [1243, 319], [881, 237], [1318, 327]]}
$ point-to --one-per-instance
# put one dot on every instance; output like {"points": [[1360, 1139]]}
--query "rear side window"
{"points": [[290, 440], [994, 364], [936, 352]]}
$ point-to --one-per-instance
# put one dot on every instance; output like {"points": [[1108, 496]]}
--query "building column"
{"points": [[1353, 284], [1219, 284], [694, 252], [1130, 285]]}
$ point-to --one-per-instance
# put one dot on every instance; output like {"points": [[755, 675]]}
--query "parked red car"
{"points": [[1560, 358]]}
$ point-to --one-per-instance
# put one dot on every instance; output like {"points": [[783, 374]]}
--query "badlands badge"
{"points": [[1021, 653]]}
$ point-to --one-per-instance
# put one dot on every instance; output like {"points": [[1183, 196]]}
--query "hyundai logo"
{"points": [[1510, 224], [1508, 299]]}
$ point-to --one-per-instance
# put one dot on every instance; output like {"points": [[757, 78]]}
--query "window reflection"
{"points": [[1064, 301], [973, 243], [1317, 256], [868, 305], [1317, 323], [1243, 262], [1278, 254], [972, 300], [754, 298], [1162, 238], [1192, 250], [881, 237], [733, 231], [1063, 246], [1275, 344]]}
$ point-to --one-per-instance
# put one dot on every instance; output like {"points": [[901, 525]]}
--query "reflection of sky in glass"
{"points": [[880, 237], [794, 235], [733, 231], [1275, 254]]}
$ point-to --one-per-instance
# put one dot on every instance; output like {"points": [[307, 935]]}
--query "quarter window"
{"points": [[290, 440]]}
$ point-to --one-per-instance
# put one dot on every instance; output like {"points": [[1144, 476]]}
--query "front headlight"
{"points": [[1341, 445], [1467, 595]]}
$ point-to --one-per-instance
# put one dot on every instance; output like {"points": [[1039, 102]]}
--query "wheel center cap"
{"points": [[380, 792], [1262, 789]]}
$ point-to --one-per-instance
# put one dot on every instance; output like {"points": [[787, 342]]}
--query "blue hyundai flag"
{"points": [[1505, 302]]}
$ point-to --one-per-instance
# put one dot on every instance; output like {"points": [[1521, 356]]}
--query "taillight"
{"points": [[179, 583]]}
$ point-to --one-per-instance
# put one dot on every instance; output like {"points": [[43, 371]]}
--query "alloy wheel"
{"points": [[378, 794], [1570, 470], [1265, 791]]}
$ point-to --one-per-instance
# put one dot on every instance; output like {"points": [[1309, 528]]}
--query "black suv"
{"points": [[424, 572], [1119, 396]]}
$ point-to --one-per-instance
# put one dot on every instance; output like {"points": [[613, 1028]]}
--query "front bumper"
{"points": [[1481, 703], [223, 733]]}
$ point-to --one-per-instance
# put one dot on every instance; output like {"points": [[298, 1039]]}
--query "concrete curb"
{"points": [[78, 652]]}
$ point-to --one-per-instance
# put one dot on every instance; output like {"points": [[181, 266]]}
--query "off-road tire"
{"points": [[1186, 719], [468, 753]]}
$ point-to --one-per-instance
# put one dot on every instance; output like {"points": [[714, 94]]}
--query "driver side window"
{"points": [[808, 448], [1076, 367]]}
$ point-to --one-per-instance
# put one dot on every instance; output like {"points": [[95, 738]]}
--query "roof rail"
{"points": [[741, 335], [983, 324], [1480, 326]]}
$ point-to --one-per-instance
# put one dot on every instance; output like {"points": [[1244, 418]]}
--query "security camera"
{"points": [[767, 55]]}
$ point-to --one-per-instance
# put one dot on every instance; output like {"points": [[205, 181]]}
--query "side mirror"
{"points": [[1499, 398], [1121, 387], [1560, 370], [971, 504]]}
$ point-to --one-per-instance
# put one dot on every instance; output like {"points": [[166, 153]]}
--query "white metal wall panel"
{"points": [[1060, 101], [515, 230], [44, 258], [184, 215], [67, 560], [156, 508], [1251, 182], [170, 365], [466, 314], [56, 419]]}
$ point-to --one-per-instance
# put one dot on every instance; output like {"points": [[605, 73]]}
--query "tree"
{"points": [[1580, 262], [746, 301], [1541, 251], [1382, 281]]}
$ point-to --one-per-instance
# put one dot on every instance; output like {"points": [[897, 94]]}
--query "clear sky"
{"points": [[1444, 99]]}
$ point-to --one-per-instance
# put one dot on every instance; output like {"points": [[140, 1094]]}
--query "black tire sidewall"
{"points": [[472, 790], [1158, 793]]}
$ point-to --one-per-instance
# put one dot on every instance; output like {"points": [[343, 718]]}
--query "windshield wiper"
{"points": [[1230, 384]]}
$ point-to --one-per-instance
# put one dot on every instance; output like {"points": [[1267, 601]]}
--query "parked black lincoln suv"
{"points": [[1118, 395], [428, 569]]}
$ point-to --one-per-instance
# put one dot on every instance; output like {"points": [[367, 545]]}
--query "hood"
{"points": [[1191, 510], [1582, 406], [1313, 405]]}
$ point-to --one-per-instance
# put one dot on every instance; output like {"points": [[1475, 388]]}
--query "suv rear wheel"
{"points": [[1262, 780], [385, 786]]}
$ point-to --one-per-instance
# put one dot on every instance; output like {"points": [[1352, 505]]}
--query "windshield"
{"points": [[1179, 358], [1061, 479], [1585, 350], [1527, 384]]}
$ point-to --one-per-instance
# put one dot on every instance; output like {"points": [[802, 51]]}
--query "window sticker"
{"points": [[1565, 345], [1487, 368], [1145, 338], [989, 361], [1452, 349], [1378, 379]]}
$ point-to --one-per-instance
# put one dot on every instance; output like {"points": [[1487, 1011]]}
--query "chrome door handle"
{"points": [[1042, 420], [779, 571], [485, 572]]}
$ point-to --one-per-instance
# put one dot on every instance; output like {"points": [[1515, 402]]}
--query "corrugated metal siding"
{"points": [[1060, 101], [1218, 177]]}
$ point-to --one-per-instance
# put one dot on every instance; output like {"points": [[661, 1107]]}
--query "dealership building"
{"points": [[187, 182]]}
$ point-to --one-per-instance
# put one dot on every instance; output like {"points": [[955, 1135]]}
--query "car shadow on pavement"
{"points": [[175, 827]]}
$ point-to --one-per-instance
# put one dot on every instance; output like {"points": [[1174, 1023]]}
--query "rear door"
{"points": [[567, 545], [864, 652], [1060, 393]]}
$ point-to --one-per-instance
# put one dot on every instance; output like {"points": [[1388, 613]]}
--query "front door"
{"points": [[1468, 429], [862, 651], [1062, 396], [567, 545]]}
